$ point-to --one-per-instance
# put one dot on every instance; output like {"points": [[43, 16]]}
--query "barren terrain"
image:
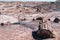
{"points": [[15, 12]]}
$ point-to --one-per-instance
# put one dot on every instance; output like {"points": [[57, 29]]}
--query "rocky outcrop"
{"points": [[45, 30]]}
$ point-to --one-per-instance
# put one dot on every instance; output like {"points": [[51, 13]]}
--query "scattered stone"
{"points": [[33, 19], [45, 34], [48, 19], [56, 20], [39, 18], [38, 10], [45, 30], [2, 24]]}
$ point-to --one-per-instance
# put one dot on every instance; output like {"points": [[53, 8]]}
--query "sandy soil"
{"points": [[20, 10]]}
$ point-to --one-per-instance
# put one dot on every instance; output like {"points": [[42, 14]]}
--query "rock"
{"points": [[56, 20], [48, 19], [33, 19], [2, 24], [39, 18], [45, 30], [52, 19], [45, 34]]}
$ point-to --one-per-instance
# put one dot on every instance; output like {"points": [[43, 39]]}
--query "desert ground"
{"points": [[18, 19]]}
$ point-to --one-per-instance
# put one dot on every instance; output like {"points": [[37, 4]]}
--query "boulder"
{"points": [[33, 19], [45, 30], [48, 19], [45, 34]]}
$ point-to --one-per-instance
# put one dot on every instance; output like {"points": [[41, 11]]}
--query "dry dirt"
{"points": [[21, 10]]}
